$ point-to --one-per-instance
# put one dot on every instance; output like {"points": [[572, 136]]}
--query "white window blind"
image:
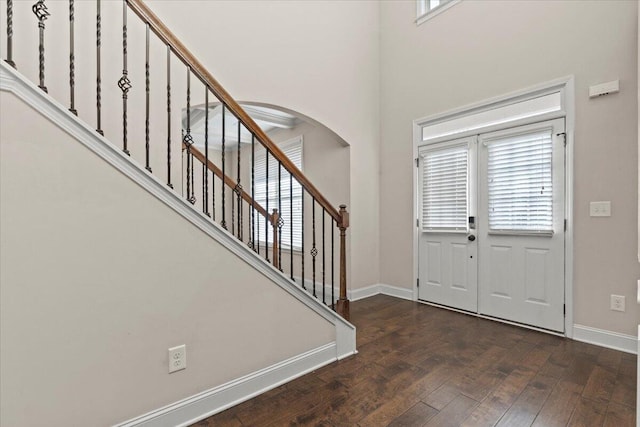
{"points": [[520, 185], [444, 189], [290, 194]]}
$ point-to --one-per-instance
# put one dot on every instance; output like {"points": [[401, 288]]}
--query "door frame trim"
{"points": [[566, 87]]}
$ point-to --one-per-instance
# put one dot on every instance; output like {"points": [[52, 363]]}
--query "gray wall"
{"points": [[481, 49], [318, 58], [98, 279]]}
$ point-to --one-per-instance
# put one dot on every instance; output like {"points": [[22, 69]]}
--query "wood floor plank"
{"points": [[526, 407], [417, 415], [441, 397], [588, 413], [619, 416], [624, 390], [557, 410], [477, 372], [489, 412], [454, 413], [600, 384]]}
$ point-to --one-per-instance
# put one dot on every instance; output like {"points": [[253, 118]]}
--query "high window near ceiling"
{"points": [[427, 9]]}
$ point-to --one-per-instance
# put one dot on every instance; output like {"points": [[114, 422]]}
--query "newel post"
{"points": [[275, 217], [343, 302]]}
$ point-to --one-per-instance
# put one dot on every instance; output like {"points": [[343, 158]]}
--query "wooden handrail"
{"points": [[227, 180], [161, 30]]}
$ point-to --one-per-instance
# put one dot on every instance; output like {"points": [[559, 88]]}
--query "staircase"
{"points": [[147, 136]]}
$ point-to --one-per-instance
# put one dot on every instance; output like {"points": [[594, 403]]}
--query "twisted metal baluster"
{"points": [[233, 212], [323, 259], [333, 297], [252, 224], [223, 223], [147, 90], [204, 178], [213, 196], [266, 221], [280, 219], [72, 58], [193, 177], [9, 59], [124, 83], [206, 151], [291, 224], [188, 151], [98, 68], [169, 184], [238, 189], [314, 250], [42, 13], [302, 255], [188, 141]]}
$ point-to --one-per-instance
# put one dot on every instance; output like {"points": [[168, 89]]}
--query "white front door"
{"points": [[492, 224], [448, 261], [521, 224]]}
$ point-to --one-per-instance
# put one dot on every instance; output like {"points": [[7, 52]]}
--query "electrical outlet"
{"points": [[617, 303], [177, 358]]}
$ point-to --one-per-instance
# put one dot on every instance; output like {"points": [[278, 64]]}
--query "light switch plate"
{"points": [[600, 208]]}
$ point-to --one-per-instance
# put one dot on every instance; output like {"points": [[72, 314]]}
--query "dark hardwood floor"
{"points": [[423, 366]]}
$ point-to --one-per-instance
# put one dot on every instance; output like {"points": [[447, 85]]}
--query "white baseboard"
{"points": [[381, 288], [202, 405], [609, 339]]}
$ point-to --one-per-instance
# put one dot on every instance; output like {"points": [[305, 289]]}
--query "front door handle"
{"points": [[471, 237]]}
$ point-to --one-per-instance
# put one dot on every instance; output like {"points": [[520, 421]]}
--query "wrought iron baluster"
{"points": [[238, 189], [205, 201], [42, 13], [72, 60], [125, 84], [223, 223], [333, 297], [168, 116], [233, 212], [188, 151], [193, 177], [280, 219], [9, 59], [266, 220], [98, 68], [291, 224], [323, 260], [252, 225], [204, 178], [213, 196], [314, 250], [303, 254], [188, 139], [147, 90]]}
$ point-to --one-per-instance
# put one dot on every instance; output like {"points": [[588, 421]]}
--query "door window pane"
{"points": [[444, 189], [520, 190]]}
